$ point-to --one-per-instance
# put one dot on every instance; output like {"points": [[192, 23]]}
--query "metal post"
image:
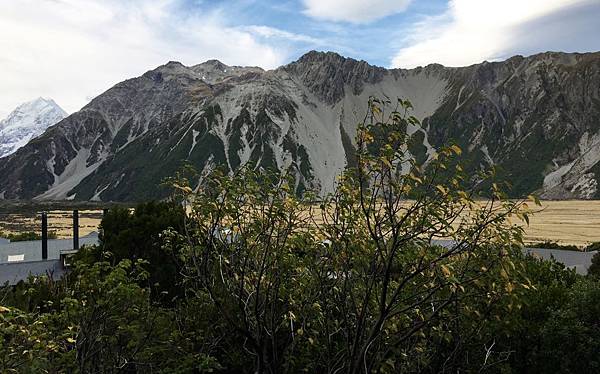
{"points": [[44, 236], [104, 214], [76, 229]]}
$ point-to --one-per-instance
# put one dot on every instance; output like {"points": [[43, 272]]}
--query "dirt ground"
{"points": [[568, 222]]}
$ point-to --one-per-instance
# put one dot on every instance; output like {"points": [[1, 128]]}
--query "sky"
{"points": [[73, 50]]}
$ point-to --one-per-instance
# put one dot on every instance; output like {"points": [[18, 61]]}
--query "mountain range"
{"points": [[26, 122], [536, 118]]}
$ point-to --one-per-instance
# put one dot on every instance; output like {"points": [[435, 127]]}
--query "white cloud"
{"points": [[472, 31], [354, 11], [271, 32], [72, 50]]}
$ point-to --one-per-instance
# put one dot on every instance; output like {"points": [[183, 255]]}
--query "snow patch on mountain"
{"points": [[74, 173]]}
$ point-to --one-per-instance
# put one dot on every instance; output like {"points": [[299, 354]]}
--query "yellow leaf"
{"points": [[445, 270], [535, 200], [415, 178], [510, 287], [456, 149]]}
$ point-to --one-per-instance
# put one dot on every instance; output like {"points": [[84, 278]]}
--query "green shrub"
{"points": [[135, 234], [26, 236], [593, 247]]}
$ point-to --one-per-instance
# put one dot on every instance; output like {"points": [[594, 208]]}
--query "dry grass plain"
{"points": [[60, 221], [568, 222]]}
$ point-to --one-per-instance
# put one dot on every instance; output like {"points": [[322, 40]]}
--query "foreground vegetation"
{"points": [[248, 283]]}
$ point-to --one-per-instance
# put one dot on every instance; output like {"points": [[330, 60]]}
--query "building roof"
{"points": [[580, 261], [16, 271], [32, 250]]}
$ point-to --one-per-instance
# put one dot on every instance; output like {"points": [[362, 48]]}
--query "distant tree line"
{"points": [[26, 236], [548, 244]]}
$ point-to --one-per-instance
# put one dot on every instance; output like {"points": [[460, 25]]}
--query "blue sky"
{"points": [[371, 39], [73, 50]]}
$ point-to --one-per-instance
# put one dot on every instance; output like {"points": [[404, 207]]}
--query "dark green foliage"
{"points": [[26, 236], [548, 290], [348, 148], [35, 295], [548, 244], [570, 337], [300, 168], [416, 147], [122, 136], [105, 322], [136, 234], [234, 133], [594, 269], [595, 246]]}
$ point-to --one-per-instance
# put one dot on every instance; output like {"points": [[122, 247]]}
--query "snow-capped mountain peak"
{"points": [[27, 121]]}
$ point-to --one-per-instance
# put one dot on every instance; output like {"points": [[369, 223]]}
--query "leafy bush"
{"points": [[134, 234], [364, 289], [594, 269], [105, 322]]}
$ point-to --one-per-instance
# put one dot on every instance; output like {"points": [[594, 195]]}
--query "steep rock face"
{"points": [[535, 118], [26, 122]]}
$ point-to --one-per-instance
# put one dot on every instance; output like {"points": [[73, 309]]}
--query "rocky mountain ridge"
{"points": [[536, 118]]}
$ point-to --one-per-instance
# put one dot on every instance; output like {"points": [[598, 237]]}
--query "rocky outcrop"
{"points": [[329, 75]]}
